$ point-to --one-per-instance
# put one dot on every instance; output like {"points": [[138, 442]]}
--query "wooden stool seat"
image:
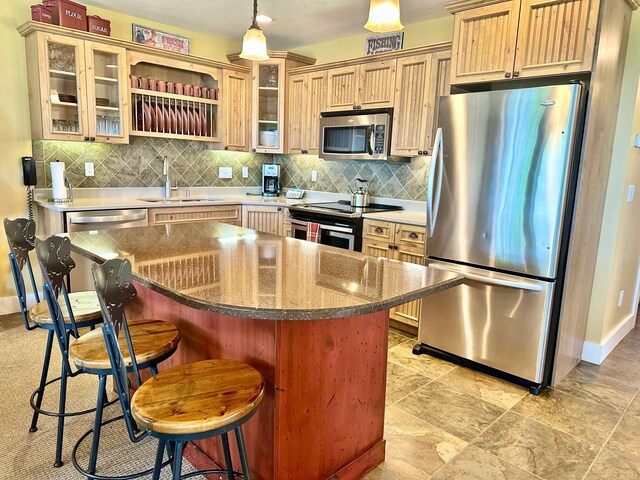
{"points": [[151, 339], [85, 306], [197, 397]]}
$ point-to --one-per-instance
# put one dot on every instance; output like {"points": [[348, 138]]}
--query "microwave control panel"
{"points": [[379, 139]]}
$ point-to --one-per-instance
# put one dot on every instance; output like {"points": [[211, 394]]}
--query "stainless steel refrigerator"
{"points": [[500, 201]]}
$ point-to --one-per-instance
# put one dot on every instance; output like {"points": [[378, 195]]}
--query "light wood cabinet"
{"points": [[307, 97], [420, 81], [77, 89], [402, 242], [231, 214], [368, 85], [263, 219], [522, 38], [237, 110]]}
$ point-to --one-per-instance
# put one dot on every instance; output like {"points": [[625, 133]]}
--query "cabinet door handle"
{"points": [[86, 139], [253, 150], [226, 147], [507, 74], [279, 209], [413, 236], [378, 230], [516, 74], [93, 139], [355, 107], [420, 152]]}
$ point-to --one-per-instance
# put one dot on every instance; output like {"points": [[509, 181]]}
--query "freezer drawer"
{"points": [[498, 320]]}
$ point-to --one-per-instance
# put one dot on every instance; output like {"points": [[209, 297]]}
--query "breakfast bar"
{"points": [[312, 319]]}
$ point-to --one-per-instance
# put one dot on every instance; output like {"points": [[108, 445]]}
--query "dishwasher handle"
{"points": [[503, 282], [108, 218]]}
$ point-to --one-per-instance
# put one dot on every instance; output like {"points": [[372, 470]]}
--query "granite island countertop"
{"points": [[236, 271]]}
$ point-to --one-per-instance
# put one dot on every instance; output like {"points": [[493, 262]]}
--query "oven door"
{"points": [[333, 235], [355, 137]]}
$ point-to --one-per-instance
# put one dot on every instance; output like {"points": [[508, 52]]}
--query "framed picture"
{"points": [[384, 43], [159, 39]]}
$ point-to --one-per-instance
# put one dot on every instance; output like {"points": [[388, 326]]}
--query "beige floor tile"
{"points": [[402, 381], [615, 465], [424, 364], [452, 410], [396, 338], [379, 474], [537, 448], [494, 390], [415, 448], [577, 416], [626, 436], [476, 464], [590, 385], [629, 347], [622, 368], [634, 408]]}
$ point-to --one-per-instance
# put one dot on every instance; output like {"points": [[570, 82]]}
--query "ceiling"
{"points": [[297, 22]]}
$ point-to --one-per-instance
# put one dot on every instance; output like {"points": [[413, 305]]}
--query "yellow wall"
{"points": [[619, 249], [15, 132], [415, 35]]}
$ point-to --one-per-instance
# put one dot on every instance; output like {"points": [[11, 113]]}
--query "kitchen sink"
{"points": [[180, 199]]}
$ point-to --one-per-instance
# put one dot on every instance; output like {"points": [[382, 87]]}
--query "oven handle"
{"points": [[372, 129], [330, 228]]}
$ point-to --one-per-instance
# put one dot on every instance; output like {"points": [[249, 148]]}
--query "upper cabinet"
{"points": [[268, 94], [420, 81], [237, 112], [521, 38], [368, 85], [77, 89], [307, 97]]}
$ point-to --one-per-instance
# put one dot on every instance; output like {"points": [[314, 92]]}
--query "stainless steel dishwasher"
{"points": [[93, 221]]}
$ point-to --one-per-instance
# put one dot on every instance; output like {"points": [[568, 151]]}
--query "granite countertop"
{"points": [[236, 271]]}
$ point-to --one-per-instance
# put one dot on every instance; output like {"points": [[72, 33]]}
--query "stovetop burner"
{"points": [[343, 208]]}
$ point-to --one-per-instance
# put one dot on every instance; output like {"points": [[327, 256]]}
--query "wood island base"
{"points": [[322, 416]]}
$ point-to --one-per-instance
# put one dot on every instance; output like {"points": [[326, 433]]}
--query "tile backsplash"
{"points": [[139, 164]]}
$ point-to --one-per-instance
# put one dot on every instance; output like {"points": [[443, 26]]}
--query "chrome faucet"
{"points": [[167, 183]]}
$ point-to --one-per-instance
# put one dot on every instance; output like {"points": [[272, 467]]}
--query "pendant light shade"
{"points": [[384, 16], [254, 43]]}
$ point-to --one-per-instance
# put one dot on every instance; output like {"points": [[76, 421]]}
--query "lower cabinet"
{"points": [[264, 219], [402, 242], [222, 213]]}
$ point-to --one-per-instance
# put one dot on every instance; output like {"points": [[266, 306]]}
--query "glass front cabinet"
{"points": [[77, 89], [268, 98]]}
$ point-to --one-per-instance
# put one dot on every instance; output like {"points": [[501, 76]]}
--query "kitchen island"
{"points": [[312, 319]]}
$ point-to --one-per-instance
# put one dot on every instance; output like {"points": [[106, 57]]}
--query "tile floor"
{"points": [[449, 422]]}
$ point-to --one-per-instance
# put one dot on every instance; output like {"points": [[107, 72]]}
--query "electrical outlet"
{"points": [[245, 172], [630, 193], [88, 169], [620, 298], [637, 142], [225, 172], [314, 175]]}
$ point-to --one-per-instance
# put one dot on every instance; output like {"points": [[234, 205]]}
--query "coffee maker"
{"points": [[270, 180]]}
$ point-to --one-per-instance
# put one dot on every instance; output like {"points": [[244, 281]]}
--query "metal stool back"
{"points": [[21, 234]]}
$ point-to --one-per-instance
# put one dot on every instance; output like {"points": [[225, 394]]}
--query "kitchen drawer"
{"points": [[411, 236], [221, 213], [377, 230]]}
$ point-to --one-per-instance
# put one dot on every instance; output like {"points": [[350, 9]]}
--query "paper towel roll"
{"points": [[59, 190]]}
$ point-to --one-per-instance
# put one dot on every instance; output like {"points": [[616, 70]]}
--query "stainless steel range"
{"points": [[340, 223]]}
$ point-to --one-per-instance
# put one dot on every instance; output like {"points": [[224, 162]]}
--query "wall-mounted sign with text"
{"points": [[384, 43], [159, 39]]}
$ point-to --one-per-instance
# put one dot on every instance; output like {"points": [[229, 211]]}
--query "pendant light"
{"points": [[384, 16], [254, 44]]}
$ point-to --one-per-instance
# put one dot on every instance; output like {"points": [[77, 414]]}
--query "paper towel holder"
{"points": [[67, 184]]}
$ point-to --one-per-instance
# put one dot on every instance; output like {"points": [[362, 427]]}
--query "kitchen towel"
{"points": [[313, 232], [58, 187]]}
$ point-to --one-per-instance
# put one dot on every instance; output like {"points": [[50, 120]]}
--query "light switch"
{"points": [[314, 175], [637, 143], [225, 172], [620, 298], [245, 172], [88, 169], [631, 193]]}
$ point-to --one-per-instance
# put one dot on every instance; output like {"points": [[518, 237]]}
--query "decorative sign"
{"points": [[384, 43], [159, 39]]}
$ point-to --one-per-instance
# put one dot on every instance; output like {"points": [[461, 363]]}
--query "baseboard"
{"points": [[597, 352], [11, 305]]}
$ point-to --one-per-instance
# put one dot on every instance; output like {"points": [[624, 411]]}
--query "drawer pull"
{"points": [[413, 236], [379, 230]]}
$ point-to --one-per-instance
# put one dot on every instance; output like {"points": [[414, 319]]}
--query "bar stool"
{"points": [[152, 340], [21, 238], [181, 404]]}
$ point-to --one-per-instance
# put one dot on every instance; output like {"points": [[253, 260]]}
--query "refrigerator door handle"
{"points": [[434, 188], [503, 282]]}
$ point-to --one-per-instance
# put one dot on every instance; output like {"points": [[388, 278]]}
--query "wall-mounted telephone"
{"points": [[30, 180]]}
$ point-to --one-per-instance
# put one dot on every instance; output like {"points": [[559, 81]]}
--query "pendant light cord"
{"points": [[254, 23]]}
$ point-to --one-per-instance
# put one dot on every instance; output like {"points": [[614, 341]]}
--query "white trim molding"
{"points": [[11, 305], [597, 352]]}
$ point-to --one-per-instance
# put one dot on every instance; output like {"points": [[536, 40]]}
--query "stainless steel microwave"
{"points": [[356, 135]]}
